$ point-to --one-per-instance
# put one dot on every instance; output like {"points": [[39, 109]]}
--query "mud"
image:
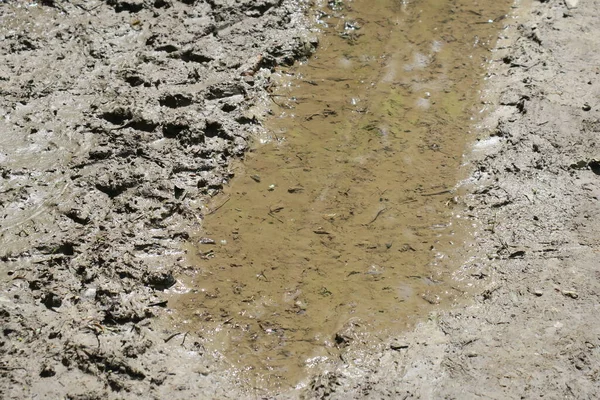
{"points": [[340, 229], [117, 119], [120, 119]]}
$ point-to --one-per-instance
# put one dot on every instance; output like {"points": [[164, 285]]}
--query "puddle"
{"points": [[340, 229]]}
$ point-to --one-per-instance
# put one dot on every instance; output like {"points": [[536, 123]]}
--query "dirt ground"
{"points": [[119, 120]]}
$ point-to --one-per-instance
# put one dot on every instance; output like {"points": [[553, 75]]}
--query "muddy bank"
{"points": [[533, 329], [118, 119]]}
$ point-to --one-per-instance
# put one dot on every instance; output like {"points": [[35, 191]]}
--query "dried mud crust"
{"points": [[534, 329], [117, 118]]}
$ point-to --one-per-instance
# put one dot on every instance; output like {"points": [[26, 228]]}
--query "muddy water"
{"points": [[339, 230]]}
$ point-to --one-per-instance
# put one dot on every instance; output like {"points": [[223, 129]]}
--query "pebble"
{"points": [[571, 4], [90, 293], [570, 293]]}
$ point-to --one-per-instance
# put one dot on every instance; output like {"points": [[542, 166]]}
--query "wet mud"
{"points": [[120, 120], [338, 229]]}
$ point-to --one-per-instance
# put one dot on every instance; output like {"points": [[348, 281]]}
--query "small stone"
{"points": [[570, 293], [397, 345], [538, 293], [571, 4], [90, 293]]}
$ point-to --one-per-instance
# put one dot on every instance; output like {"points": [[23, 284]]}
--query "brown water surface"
{"points": [[340, 231]]}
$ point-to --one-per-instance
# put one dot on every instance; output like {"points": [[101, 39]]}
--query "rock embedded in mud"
{"points": [[132, 6]]}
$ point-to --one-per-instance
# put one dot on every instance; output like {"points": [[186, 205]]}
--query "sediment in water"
{"points": [[340, 229]]}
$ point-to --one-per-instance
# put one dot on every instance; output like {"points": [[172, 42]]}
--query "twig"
{"points": [[377, 216], [172, 336], [262, 273], [219, 207], [270, 214], [7, 368], [271, 96], [437, 193], [532, 65], [87, 9]]}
